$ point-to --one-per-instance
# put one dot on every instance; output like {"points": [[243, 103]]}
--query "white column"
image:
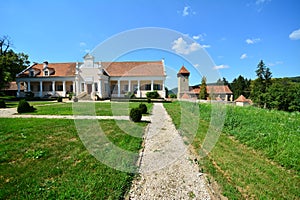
{"points": [[64, 88], [163, 89], [138, 89], [41, 88], [93, 88], [100, 88], [129, 85], [119, 88], [53, 87], [73, 87], [28, 86], [18, 84], [152, 85]]}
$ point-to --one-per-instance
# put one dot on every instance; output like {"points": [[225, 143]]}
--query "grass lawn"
{"points": [[14, 104], [45, 159], [241, 161], [89, 108]]}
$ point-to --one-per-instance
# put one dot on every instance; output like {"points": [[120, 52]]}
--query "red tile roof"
{"points": [[243, 99], [148, 68], [217, 89], [13, 86], [183, 71], [60, 69]]}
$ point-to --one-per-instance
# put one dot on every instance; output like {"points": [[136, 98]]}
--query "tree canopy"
{"points": [[203, 89], [240, 86], [11, 63]]}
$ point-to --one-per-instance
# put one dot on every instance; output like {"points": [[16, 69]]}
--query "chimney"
{"points": [[45, 64]]}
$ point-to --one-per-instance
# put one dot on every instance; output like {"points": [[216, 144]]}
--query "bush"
{"points": [[143, 108], [59, 99], [75, 99], [152, 95], [24, 107], [135, 114], [173, 96], [2, 103], [149, 100], [129, 95]]}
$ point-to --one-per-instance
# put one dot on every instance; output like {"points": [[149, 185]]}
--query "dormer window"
{"points": [[46, 73], [31, 73]]}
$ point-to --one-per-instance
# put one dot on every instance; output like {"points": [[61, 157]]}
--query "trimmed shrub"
{"points": [[143, 108], [59, 99], [135, 114], [152, 95], [24, 107], [173, 96], [2, 103], [129, 95]]}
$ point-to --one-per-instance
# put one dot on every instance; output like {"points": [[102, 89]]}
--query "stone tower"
{"points": [[183, 81]]}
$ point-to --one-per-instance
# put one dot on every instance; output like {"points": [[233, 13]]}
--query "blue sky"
{"points": [[236, 34]]}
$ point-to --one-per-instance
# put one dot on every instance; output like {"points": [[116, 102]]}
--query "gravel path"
{"points": [[12, 113], [167, 170]]}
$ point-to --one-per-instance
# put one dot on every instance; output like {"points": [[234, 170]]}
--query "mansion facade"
{"points": [[95, 79]]}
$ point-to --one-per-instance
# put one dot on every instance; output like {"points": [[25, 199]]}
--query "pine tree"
{"points": [[203, 90], [260, 85]]}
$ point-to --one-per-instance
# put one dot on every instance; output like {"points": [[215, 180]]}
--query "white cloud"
{"points": [[205, 46], [196, 65], [187, 10], [182, 47], [259, 2], [275, 63], [221, 67], [82, 44], [295, 35], [199, 37], [243, 56], [253, 41]]}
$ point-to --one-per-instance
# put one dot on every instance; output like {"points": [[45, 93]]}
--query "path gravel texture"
{"points": [[167, 170], [12, 113]]}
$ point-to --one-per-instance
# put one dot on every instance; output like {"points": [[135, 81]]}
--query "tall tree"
{"points": [[260, 84], [11, 63], [240, 86], [203, 89]]}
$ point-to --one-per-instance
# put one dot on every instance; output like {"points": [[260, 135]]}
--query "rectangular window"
{"points": [[148, 87], [157, 87], [125, 88], [46, 72], [31, 73], [82, 87], [96, 87], [59, 87], [106, 87]]}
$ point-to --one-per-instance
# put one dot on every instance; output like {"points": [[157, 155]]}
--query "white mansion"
{"points": [[102, 79]]}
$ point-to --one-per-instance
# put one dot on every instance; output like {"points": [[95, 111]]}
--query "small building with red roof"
{"points": [[215, 92]]}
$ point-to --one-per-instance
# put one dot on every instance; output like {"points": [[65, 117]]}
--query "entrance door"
{"points": [[89, 88]]}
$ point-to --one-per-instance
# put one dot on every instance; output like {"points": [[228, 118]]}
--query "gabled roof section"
{"points": [[59, 69], [183, 71], [139, 68], [242, 99], [216, 89]]}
